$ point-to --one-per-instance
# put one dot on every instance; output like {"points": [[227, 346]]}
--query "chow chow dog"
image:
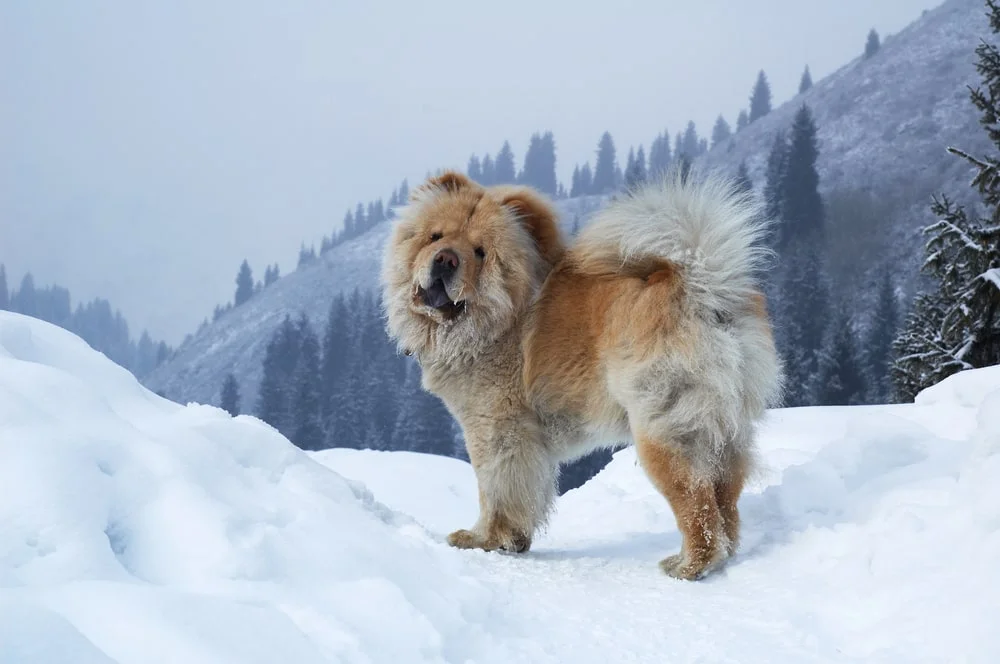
{"points": [[649, 327]]}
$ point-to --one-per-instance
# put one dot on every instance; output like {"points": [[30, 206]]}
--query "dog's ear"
{"points": [[538, 217], [449, 181]]}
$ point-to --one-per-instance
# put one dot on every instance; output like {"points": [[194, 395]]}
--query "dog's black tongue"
{"points": [[436, 295]]}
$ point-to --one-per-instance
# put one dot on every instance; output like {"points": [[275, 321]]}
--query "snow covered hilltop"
{"points": [[133, 529]]}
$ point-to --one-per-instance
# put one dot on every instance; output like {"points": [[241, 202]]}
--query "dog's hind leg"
{"points": [[728, 487], [693, 499]]}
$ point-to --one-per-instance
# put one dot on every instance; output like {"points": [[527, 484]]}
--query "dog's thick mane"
{"points": [[532, 246]]}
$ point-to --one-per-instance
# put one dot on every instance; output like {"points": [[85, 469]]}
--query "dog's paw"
{"points": [[679, 567], [466, 539], [511, 542], [515, 542]]}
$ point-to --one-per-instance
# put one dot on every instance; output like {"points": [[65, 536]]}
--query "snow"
{"points": [[133, 529], [993, 276]]}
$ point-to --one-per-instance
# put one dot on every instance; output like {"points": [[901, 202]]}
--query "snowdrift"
{"points": [[136, 530], [133, 529]]}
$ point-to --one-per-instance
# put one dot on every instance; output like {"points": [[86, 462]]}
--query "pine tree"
{"points": [[955, 327], [4, 293], [404, 192], [25, 298], [306, 256], [720, 132], [841, 380], [385, 373], [347, 407], [336, 350], [629, 166], [635, 169], [640, 165], [802, 206], [574, 183], [690, 144], [274, 401], [360, 221], [883, 330], [742, 120], [423, 423], [271, 396], [604, 170], [547, 181], [743, 181], [305, 391], [489, 171], [806, 81], [271, 274], [774, 186], [760, 100], [504, 169], [229, 398], [348, 224], [801, 316], [873, 44], [244, 284], [540, 164], [475, 169], [586, 180], [659, 156]]}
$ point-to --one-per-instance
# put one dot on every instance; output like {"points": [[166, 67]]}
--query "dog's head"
{"points": [[464, 262]]}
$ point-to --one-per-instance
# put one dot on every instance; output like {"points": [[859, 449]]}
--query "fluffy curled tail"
{"points": [[705, 224]]}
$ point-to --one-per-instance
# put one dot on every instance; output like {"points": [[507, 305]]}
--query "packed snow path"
{"points": [[136, 530]]}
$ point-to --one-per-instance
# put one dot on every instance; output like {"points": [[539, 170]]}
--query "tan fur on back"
{"points": [[648, 328]]}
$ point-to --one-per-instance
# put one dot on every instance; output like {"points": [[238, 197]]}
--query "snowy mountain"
{"points": [[237, 341], [885, 122], [134, 530]]}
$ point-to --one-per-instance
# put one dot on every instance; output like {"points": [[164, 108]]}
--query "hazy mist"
{"points": [[147, 148]]}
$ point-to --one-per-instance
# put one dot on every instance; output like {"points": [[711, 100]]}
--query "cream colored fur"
{"points": [[650, 327]]}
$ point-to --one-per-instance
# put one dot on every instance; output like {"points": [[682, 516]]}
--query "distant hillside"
{"points": [[884, 124]]}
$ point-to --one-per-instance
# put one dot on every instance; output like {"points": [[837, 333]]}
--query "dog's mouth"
{"points": [[436, 296]]}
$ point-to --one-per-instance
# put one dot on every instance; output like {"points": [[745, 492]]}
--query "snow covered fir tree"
{"points": [[956, 326]]}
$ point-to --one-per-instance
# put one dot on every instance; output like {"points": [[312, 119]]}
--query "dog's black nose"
{"points": [[445, 264]]}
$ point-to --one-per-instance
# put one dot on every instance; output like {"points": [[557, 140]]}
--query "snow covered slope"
{"points": [[884, 123], [136, 530], [237, 341]]}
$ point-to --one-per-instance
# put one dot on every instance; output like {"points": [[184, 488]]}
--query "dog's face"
{"points": [[465, 260]]}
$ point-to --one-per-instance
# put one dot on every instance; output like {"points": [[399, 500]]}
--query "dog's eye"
{"points": [[480, 252], [435, 237]]}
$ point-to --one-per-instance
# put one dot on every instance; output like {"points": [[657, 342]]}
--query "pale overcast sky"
{"points": [[146, 147]]}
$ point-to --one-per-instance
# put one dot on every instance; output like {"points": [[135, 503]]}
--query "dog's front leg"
{"points": [[517, 486]]}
